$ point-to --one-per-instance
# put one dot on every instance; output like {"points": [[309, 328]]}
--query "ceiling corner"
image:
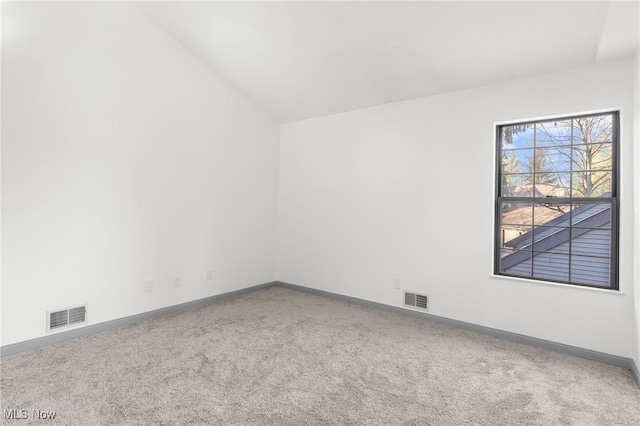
{"points": [[620, 35]]}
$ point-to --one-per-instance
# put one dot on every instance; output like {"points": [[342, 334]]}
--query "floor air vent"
{"points": [[415, 300], [63, 318]]}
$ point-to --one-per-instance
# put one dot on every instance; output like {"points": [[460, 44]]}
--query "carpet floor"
{"points": [[283, 357]]}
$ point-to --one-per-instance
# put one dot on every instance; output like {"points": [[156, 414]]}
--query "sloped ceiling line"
{"points": [[301, 60]]}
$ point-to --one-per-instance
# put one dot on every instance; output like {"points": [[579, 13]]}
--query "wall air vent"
{"points": [[415, 300], [64, 318]]}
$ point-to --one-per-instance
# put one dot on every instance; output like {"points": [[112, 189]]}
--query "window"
{"points": [[556, 200]]}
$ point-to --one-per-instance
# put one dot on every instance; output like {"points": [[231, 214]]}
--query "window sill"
{"points": [[569, 286]]}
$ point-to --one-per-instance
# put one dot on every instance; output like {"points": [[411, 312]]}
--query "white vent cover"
{"points": [[63, 318], [416, 300]]}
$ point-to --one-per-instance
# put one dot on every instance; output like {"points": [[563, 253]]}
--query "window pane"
{"points": [[552, 214], [553, 133], [592, 129], [591, 215], [517, 185], [552, 184], [517, 263], [515, 161], [591, 242], [551, 239], [591, 184], [557, 159], [518, 213], [591, 270], [518, 136], [516, 237], [551, 266], [596, 156]]}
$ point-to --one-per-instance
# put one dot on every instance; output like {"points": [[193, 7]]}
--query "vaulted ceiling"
{"points": [[299, 60]]}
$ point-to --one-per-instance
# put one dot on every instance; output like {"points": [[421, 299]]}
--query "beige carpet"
{"points": [[283, 357]]}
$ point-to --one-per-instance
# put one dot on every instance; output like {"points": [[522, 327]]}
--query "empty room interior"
{"points": [[321, 212]]}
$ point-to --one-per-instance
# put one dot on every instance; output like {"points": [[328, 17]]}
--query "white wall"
{"points": [[406, 190], [124, 158], [636, 168]]}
